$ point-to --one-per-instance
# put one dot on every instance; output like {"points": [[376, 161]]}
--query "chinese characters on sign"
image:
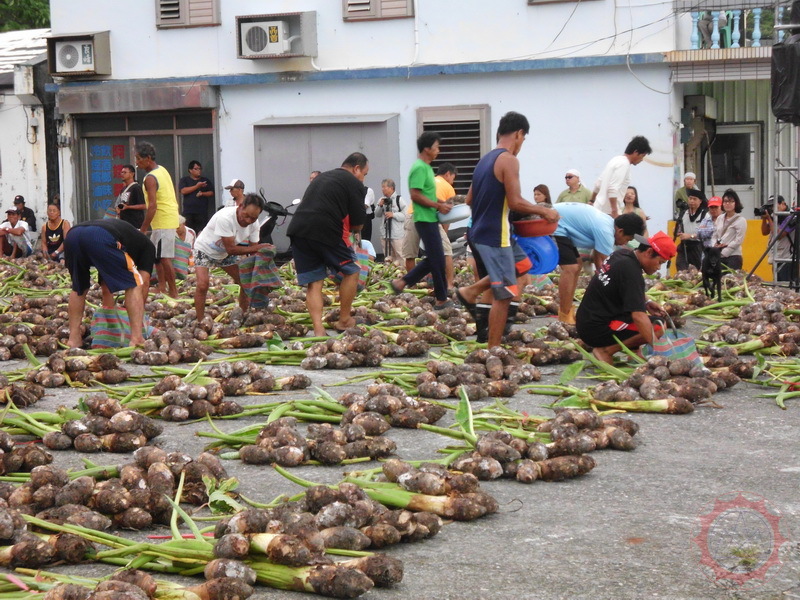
{"points": [[105, 165]]}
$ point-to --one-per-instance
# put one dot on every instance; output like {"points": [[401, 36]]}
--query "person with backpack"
{"points": [[392, 207], [690, 250]]}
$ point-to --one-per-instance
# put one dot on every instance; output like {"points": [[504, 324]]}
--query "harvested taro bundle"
{"points": [[485, 373], [554, 469], [661, 378], [281, 443], [20, 459], [77, 365], [388, 405], [344, 352], [539, 351], [134, 500], [107, 427], [186, 401], [21, 394]]}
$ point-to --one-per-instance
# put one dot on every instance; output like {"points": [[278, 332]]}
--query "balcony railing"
{"points": [[718, 27]]}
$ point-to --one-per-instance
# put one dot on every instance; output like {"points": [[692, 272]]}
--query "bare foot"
{"points": [[73, 344], [346, 324], [604, 355], [137, 342]]}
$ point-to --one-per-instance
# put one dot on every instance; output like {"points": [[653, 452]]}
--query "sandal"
{"points": [[469, 306]]}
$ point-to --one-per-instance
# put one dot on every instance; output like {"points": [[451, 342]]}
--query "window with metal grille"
{"points": [[465, 138], [187, 13], [362, 10]]}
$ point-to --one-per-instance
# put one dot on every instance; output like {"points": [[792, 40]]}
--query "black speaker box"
{"points": [[786, 80]]}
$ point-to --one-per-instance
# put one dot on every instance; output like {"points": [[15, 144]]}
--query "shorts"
{"points": [[313, 260], [92, 246], [568, 253], [201, 259], [500, 265], [164, 241], [411, 240], [522, 261], [601, 335]]}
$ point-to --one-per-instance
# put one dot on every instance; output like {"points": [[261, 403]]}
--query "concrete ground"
{"points": [[625, 531]]}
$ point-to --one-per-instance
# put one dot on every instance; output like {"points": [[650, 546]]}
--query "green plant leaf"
{"points": [[464, 413], [571, 372], [220, 499]]}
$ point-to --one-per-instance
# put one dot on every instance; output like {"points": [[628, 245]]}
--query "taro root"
{"points": [[423, 483], [496, 449], [148, 455], [30, 551], [578, 444], [48, 474], [255, 455], [381, 535], [122, 442], [55, 440], [68, 591], [70, 548], [232, 546], [111, 376], [631, 427], [373, 423], [483, 467], [118, 590], [140, 579], [345, 538], [434, 390], [224, 567], [383, 570], [175, 413], [135, 518], [338, 582], [87, 442]]}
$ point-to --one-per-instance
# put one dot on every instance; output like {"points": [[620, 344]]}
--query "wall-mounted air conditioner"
{"points": [[280, 35], [265, 37], [79, 54]]}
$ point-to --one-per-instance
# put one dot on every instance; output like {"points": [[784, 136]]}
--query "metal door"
{"points": [[736, 164]]}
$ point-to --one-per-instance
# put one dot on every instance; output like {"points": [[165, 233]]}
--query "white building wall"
{"points": [[580, 118], [442, 32], [23, 168]]}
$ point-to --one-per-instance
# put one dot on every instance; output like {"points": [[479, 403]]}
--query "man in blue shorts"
{"points": [[495, 191], [583, 226], [615, 304], [123, 257], [331, 209]]}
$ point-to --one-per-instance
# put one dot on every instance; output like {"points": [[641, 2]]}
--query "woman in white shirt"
{"points": [[730, 229]]}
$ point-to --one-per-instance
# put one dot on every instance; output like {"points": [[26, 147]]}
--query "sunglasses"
{"points": [[569, 176]]}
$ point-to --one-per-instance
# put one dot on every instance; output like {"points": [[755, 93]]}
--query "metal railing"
{"points": [[720, 28]]}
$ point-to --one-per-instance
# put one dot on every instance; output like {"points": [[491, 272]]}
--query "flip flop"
{"points": [[469, 306], [443, 305]]}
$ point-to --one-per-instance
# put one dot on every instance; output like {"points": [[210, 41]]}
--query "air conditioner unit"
{"points": [[261, 38], [79, 54], [72, 57]]}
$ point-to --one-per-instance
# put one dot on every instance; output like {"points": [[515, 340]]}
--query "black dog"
{"points": [[712, 272]]}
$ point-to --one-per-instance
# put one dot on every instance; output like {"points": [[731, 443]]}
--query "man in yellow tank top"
{"points": [[161, 216]]}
